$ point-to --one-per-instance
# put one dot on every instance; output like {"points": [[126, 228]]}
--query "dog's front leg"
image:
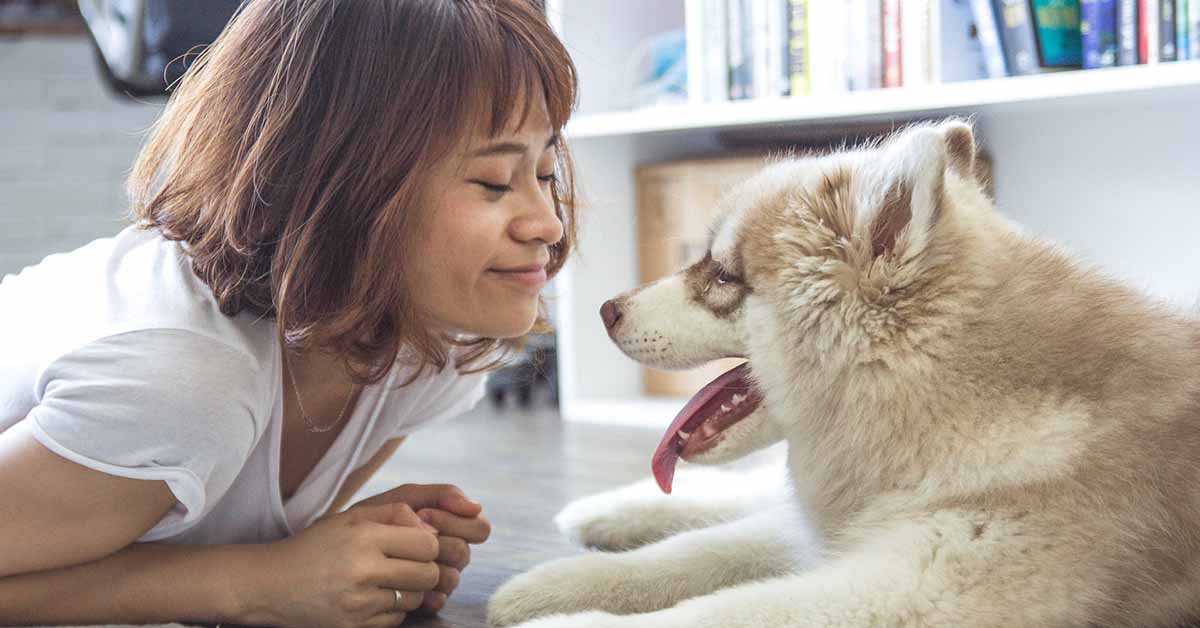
{"points": [[764, 545], [956, 572], [639, 514]]}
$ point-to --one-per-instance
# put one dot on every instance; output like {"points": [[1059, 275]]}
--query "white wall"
{"points": [[1116, 180], [65, 147]]}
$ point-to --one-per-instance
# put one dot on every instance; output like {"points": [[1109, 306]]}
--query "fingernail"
{"points": [[425, 516]]}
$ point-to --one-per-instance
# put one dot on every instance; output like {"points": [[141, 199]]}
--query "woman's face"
{"points": [[479, 260]]}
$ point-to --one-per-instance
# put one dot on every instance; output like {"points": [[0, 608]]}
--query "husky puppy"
{"points": [[980, 430]]}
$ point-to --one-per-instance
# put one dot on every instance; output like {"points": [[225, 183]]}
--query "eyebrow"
{"points": [[510, 148]]}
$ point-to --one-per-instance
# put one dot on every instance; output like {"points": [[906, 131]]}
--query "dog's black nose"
{"points": [[610, 313]]}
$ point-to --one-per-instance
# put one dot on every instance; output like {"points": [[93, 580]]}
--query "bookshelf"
{"points": [[1104, 161]]}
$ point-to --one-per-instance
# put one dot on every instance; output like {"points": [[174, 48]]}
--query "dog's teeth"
{"points": [[724, 408], [683, 436], [737, 399]]}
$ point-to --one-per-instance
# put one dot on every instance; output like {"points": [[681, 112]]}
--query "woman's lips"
{"points": [[532, 277]]}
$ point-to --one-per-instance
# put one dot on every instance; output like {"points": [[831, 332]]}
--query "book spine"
{"points": [[798, 47], [933, 40], [1148, 31], [914, 32], [1183, 44], [693, 19], [716, 75], [857, 70], [893, 71], [733, 45], [777, 47], [874, 44], [1194, 27], [1097, 26], [759, 49], [1059, 42], [1127, 32], [984, 15], [1166, 30], [1016, 33]]}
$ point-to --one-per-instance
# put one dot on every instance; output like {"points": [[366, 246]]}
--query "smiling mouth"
{"points": [[530, 276], [701, 424]]}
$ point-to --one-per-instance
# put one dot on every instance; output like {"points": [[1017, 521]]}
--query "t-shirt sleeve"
{"points": [[156, 404], [450, 395]]}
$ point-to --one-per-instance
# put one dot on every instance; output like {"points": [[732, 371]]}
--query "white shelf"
{"points": [[972, 95]]}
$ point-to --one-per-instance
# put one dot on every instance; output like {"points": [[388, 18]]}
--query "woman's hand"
{"points": [[458, 522], [341, 571]]}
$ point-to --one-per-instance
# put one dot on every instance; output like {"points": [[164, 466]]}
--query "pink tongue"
{"points": [[667, 454]]}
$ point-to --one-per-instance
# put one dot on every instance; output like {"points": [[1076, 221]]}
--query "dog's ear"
{"points": [[911, 175]]}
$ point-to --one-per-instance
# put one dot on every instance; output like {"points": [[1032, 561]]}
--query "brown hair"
{"points": [[291, 155]]}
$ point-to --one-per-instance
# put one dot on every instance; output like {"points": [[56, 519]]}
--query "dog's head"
{"points": [[816, 265]]}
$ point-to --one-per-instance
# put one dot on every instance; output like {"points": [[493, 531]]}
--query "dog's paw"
{"points": [[619, 520], [592, 581]]}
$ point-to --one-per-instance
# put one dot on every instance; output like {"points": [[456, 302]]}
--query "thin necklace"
{"points": [[308, 423]]}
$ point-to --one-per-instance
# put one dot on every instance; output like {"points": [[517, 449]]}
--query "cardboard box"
{"points": [[676, 202]]}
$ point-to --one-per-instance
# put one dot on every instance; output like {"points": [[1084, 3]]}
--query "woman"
{"points": [[342, 220]]}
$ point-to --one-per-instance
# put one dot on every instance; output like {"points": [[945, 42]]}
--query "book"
{"points": [[827, 46], [759, 53], [1098, 28], [1194, 27], [893, 70], [1017, 36], [778, 82], [798, 47], [962, 54], [874, 43], [856, 56], [737, 47], [1183, 44], [714, 53], [984, 15], [1166, 30], [1059, 42], [1127, 32], [914, 32], [1148, 31]]}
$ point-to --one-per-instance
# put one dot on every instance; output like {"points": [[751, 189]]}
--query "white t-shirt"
{"points": [[120, 360]]}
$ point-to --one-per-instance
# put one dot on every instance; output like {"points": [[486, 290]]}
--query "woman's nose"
{"points": [[541, 222]]}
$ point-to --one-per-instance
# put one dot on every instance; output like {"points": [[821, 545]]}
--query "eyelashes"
{"points": [[504, 189]]}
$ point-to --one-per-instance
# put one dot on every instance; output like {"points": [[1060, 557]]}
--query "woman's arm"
{"points": [[359, 476], [143, 583]]}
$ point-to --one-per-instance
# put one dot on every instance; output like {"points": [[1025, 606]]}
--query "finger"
{"points": [[470, 529], [453, 552], [444, 496], [433, 602], [409, 601], [448, 579], [408, 543], [407, 575], [393, 513]]}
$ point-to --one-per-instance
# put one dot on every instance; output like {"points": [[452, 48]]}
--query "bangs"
{"points": [[509, 56]]}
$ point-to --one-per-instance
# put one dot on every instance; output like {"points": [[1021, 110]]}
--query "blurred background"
{"points": [[1088, 112]]}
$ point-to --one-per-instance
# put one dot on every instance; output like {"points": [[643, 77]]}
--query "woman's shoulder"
{"points": [[127, 285]]}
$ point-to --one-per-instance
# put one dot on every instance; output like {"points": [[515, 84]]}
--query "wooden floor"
{"points": [[523, 467]]}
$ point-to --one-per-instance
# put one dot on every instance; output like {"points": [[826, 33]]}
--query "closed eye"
{"points": [[503, 189]]}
